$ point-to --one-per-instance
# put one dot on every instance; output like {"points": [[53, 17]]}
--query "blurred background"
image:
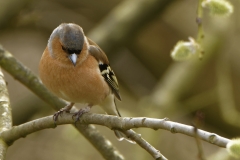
{"points": [[137, 36]]}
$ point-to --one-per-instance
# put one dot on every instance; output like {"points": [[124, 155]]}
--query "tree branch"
{"points": [[112, 122], [144, 144], [6, 114], [30, 80]]}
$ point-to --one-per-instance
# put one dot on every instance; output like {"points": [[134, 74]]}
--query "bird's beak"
{"points": [[73, 58]]}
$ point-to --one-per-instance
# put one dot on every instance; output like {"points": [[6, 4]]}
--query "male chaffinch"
{"points": [[76, 69]]}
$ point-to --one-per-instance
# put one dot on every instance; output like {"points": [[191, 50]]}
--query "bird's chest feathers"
{"points": [[82, 83]]}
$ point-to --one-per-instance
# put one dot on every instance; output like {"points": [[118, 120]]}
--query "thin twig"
{"points": [[200, 34], [145, 145], [198, 121], [5, 114], [199, 145], [113, 122]]}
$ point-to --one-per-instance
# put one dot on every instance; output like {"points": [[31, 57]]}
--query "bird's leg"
{"points": [[81, 111], [67, 108]]}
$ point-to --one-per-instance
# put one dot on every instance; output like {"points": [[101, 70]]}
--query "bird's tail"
{"points": [[121, 136], [110, 108]]}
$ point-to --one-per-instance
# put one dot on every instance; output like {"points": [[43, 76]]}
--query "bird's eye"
{"points": [[71, 51]]}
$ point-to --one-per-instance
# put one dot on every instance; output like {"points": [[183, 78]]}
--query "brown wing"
{"points": [[105, 68]]}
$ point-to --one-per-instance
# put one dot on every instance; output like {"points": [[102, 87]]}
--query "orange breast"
{"points": [[80, 84]]}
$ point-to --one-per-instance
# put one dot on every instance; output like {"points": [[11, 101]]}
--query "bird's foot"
{"points": [[60, 112], [79, 113]]}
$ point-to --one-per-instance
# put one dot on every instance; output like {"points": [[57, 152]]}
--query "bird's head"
{"points": [[67, 43]]}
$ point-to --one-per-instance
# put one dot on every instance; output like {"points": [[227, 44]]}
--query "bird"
{"points": [[76, 69]]}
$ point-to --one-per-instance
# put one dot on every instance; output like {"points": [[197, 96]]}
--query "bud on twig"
{"points": [[218, 7], [183, 50]]}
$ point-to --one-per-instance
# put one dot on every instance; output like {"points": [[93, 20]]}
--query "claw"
{"points": [[78, 114], [60, 112]]}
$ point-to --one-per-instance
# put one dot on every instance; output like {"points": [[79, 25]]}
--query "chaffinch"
{"points": [[75, 68]]}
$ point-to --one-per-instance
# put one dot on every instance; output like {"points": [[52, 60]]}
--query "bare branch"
{"points": [[199, 145], [198, 121], [112, 122], [3, 149], [129, 122], [6, 114], [145, 145]]}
